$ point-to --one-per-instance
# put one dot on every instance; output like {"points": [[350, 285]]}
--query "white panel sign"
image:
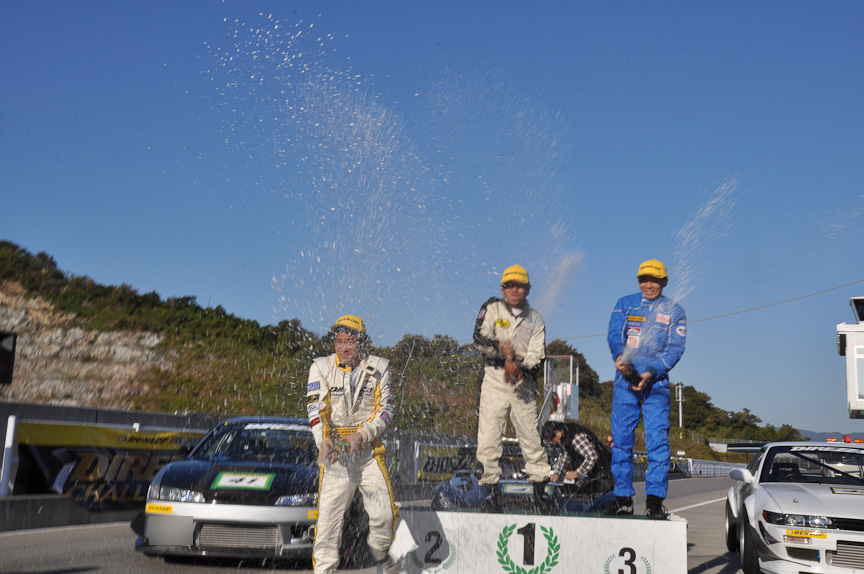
{"points": [[474, 543]]}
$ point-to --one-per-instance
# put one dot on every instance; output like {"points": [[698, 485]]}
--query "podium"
{"points": [[471, 542]]}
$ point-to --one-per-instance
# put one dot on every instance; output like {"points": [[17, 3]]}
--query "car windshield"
{"points": [[818, 464], [259, 441]]}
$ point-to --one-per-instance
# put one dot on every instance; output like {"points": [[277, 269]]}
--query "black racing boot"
{"points": [[654, 508], [384, 564], [493, 499], [542, 503], [623, 506]]}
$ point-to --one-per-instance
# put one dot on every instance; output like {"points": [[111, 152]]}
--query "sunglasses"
{"points": [[648, 279], [511, 284]]}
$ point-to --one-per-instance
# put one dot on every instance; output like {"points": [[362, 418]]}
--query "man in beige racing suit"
{"points": [[350, 405], [512, 338]]}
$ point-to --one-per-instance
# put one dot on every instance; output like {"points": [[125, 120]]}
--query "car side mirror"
{"points": [[742, 474]]}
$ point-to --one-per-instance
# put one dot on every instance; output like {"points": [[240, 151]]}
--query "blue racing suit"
{"points": [[650, 335]]}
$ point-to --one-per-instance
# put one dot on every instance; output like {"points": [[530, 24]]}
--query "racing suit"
{"points": [[652, 334], [496, 323], [335, 411]]}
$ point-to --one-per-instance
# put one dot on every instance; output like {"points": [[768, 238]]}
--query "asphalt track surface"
{"points": [[109, 548]]}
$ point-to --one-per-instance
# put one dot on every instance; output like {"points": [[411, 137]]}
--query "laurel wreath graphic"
{"points": [[648, 569], [445, 566], [553, 550]]}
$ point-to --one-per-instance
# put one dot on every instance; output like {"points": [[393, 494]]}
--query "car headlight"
{"points": [[170, 494], [797, 520], [308, 499]]}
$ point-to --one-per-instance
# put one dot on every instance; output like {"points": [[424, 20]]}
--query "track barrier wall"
{"points": [[418, 461]]}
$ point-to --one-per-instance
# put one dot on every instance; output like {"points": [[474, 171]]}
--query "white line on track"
{"points": [[69, 527], [683, 508]]}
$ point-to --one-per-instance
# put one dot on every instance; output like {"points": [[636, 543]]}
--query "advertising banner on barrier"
{"points": [[437, 462], [102, 467]]}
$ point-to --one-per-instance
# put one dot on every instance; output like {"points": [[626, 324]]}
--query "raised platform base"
{"points": [[474, 543]]}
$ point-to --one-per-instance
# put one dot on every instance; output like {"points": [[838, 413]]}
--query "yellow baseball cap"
{"points": [[351, 322], [515, 274], [652, 268]]}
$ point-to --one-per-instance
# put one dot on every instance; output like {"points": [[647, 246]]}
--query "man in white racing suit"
{"points": [[350, 404], [512, 338]]}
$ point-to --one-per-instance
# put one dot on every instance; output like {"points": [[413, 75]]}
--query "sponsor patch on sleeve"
{"points": [[663, 319], [313, 386], [314, 422], [482, 313], [385, 416], [681, 330]]}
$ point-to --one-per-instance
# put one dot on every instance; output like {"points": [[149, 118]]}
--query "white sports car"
{"points": [[798, 508]]}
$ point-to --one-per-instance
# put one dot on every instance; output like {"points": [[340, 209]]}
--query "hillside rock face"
{"points": [[61, 364]]}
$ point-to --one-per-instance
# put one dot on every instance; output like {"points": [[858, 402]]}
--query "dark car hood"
{"points": [[207, 477]]}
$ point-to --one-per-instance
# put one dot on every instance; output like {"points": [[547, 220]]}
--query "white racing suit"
{"points": [[496, 323], [335, 412]]}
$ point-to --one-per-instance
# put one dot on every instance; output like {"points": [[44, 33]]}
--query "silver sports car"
{"points": [[799, 508], [247, 490]]}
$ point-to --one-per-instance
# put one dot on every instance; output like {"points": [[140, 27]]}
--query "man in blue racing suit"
{"points": [[646, 336]]}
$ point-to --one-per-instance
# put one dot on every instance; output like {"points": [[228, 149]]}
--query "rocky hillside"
{"points": [[59, 363], [90, 345]]}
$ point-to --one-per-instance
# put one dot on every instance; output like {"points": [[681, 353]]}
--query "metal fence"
{"points": [[704, 468], [687, 467]]}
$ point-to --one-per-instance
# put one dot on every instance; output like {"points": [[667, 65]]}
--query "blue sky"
{"points": [[307, 159]]}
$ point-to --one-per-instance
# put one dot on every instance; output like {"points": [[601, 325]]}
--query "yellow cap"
{"points": [[652, 268], [515, 274], [350, 321]]}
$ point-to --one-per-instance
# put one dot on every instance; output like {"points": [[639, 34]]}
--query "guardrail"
{"points": [[686, 467], [708, 468]]}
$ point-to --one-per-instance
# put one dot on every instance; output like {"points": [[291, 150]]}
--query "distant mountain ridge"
{"points": [[823, 436]]}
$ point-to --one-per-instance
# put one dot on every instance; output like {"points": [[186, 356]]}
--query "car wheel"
{"points": [[441, 501], [747, 546], [731, 531]]}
